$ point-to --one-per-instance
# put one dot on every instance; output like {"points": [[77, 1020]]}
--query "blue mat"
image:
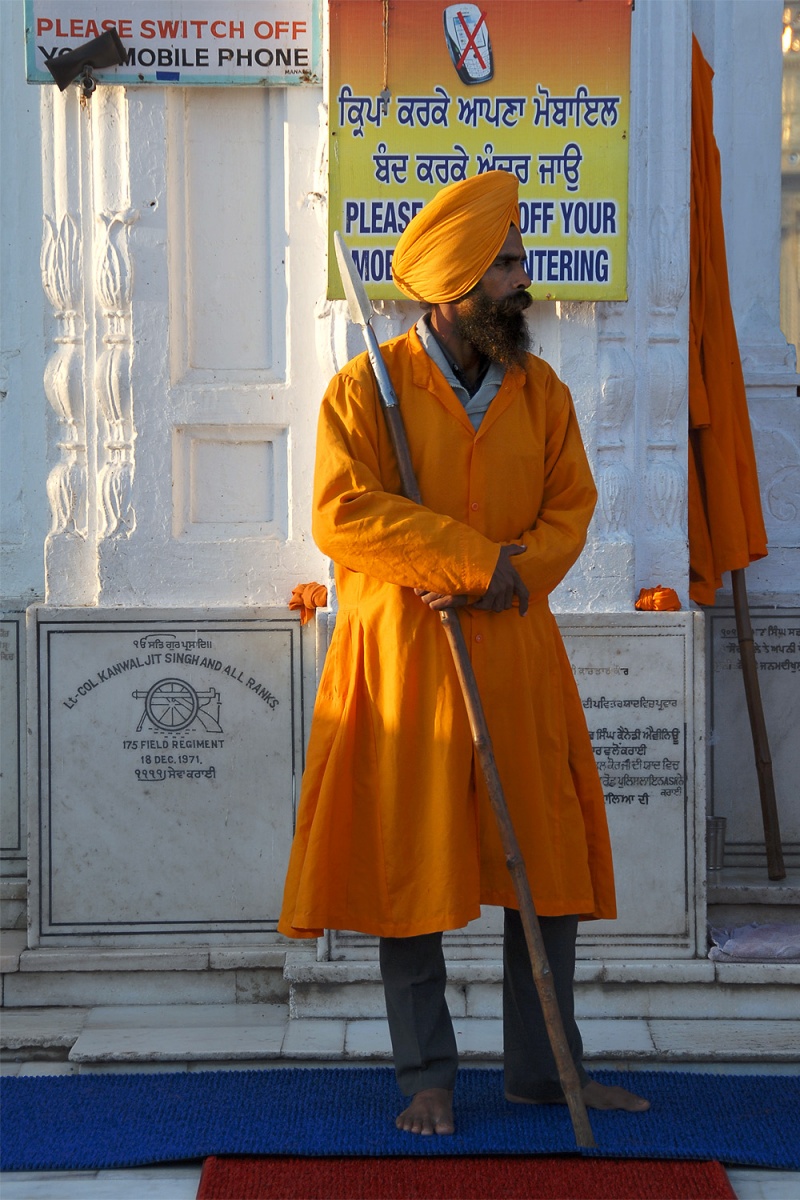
{"points": [[95, 1121]]}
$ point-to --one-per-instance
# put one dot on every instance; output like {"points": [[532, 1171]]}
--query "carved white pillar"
{"points": [[116, 517], [113, 283], [63, 377], [70, 560], [661, 85], [87, 277], [630, 387], [615, 479], [667, 374]]}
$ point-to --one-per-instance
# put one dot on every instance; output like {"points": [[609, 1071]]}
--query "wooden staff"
{"points": [[361, 314], [758, 728]]}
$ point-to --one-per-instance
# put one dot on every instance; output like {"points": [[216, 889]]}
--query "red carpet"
{"points": [[466, 1178]]}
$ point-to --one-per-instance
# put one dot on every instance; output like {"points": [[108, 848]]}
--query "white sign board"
{"points": [[204, 42]]}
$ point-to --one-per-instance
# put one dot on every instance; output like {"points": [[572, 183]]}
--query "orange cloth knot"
{"points": [[658, 599], [307, 597]]}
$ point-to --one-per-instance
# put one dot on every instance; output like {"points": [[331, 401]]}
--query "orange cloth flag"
{"points": [[308, 597], [726, 526], [658, 599], [456, 237]]}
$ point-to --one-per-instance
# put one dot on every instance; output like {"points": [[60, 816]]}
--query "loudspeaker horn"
{"points": [[104, 51]]}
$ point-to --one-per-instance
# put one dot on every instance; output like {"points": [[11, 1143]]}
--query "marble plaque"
{"points": [[171, 745], [640, 681], [734, 780], [13, 847], [640, 677]]}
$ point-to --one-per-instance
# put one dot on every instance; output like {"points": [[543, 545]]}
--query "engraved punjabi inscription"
{"points": [[639, 763], [637, 734], [634, 681], [776, 644]]}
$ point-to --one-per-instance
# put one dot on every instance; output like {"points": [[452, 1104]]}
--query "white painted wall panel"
{"points": [[225, 176], [230, 482]]}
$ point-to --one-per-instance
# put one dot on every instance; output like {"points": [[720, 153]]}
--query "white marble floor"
{"points": [[181, 1183], [144, 1183]]}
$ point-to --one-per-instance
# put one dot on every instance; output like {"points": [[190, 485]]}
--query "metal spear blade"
{"points": [[357, 298]]}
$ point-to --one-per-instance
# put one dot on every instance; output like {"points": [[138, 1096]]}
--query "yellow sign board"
{"points": [[424, 93]]}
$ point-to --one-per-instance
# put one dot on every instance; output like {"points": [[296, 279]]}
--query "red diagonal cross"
{"points": [[471, 45]]}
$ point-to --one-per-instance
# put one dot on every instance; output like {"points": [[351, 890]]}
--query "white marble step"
{"points": [[88, 976], [661, 989], [260, 1035], [368, 1040]]}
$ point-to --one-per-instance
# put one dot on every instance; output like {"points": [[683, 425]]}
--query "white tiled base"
{"points": [[262, 1033], [142, 1183], [720, 1039], [181, 1183], [53, 1027], [754, 1183], [156, 1034]]}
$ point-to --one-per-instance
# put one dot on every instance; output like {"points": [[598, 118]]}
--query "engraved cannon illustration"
{"points": [[172, 705]]}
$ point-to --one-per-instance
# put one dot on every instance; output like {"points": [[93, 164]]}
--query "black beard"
{"points": [[496, 328]]}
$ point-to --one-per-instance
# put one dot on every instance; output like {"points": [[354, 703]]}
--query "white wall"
{"points": [[192, 411], [24, 514]]}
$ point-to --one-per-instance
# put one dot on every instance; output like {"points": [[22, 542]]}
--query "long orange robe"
{"points": [[395, 835]]}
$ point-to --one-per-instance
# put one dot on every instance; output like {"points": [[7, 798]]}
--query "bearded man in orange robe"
{"points": [[395, 836]]}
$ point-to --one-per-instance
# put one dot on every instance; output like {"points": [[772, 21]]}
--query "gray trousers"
{"points": [[424, 1045]]}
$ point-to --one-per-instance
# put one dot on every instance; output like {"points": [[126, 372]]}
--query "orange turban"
{"points": [[455, 238]]}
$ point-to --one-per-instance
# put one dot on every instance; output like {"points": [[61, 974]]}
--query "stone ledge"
{"points": [[85, 958], [87, 989], [660, 970], [217, 1036], [299, 968], [611, 971], [14, 887], [303, 970], [12, 944], [184, 1016], [143, 958], [250, 1035], [246, 958], [52, 1027], [749, 885], [785, 974], [726, 1040], [170, 1045]]}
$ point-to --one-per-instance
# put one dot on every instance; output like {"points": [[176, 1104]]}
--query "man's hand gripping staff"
{"points": [[504, 585]]}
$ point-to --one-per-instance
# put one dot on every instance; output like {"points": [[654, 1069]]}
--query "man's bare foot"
{"points": [[431, 1111], [598, 1095]]}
